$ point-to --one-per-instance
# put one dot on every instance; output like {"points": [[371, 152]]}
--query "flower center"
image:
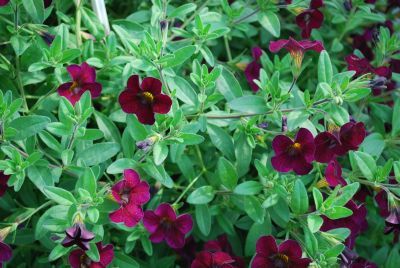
{"points": [[297, 56], [125, 194], [322, 183], [74, 87], [294, 149], [166, 223], [85, 261], [281, 261], [147, 97]]}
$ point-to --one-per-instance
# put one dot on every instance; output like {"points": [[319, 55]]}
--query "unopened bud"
{"points": [[284, 123]]}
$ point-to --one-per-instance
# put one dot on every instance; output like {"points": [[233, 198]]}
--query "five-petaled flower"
{"points": [[296, 50], [338, 141], [145, 99], [3, 183], [78, 235], [252, 71], [163, 224], [294, 155], [311, 18], [131, 193], [83, 79], [287, 254], [79, 259]]}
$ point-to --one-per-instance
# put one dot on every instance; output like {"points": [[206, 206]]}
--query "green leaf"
{"points": [[270, 21], [248, 188], [318, 198], [98, 153], [184, 90], [88, 182], [93, 252], [228, 85], [91, 21], [122, 260], [40, 176], [203, 219], [335, 213], [147, 245], [121, 164], [221, 140], [249, 104], [299, 201], [57, 252], [160, 152], [27, 126], [396, 118], [325, 71], [373, 144], [256, 231], [137, 130], [254, 209], [59, 195], [202, 195], [181, 11], [366, 164], [108, 127], [35, 9], [314, 223], [180, 56], [346, 193], [227, 173]]}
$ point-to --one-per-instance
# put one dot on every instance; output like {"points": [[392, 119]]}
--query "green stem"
{"points": [[37, 104], [187, 188], [34, 212], [228, 49], [78, 18], [247, 16]]}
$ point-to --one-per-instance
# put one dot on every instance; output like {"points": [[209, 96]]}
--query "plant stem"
{"points": [[37, 104], [247, 16], [78, 18], [187, 188], [228, 49], [34, 212]]}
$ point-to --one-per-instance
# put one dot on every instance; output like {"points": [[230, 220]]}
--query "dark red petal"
{"points": [[301, 19], [140, 194], [333, 174], [88, 74], [184, 223], [275, 46], [303, 263], [282, 163], [133, 84], [301, 166], [131, 178], [165, 210], [174, 238], [146, 115], [157, 236], [317, 46], [382, 201], [290, 248], [94, 88], [75, 258], [352, 135], [326, 146], [74, 72], [306, 139], [252, 72], [221, 258], [316, 4], [261, 262], [117, 216], [132, 214], [151, 221], [162, 104], [256, 52], [152, 85], [107, 255], [266, 246], [5, 252], [281, 144], [129, 102]]}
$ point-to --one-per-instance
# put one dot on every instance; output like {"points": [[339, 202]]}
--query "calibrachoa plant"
{"points": [[201, 134]]}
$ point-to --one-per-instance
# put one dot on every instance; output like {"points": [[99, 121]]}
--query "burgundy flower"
{"points": [[338, 142], [356, 222], [83, 79], [4, 2], [311, 18], [333, 174], [78, 257], [363, 66], [207, 259], [78, 235], [296, 49], [3, 183], [287, 254], [222, 245], [5, 253], [188, 252], [144, 100], [252, 71], [350, 259], [294, 155], [131, 193], [163, 224]]}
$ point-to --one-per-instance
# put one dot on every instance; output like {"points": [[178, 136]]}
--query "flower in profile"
{"points": [[296, 154], [145, 99], [3, 183], [390, 211], [4, 2], [356, 222], [252, 71], [47, 37], [83, 79], [163, 224], [311, 18], [333, 174], [287, 254], [78, 235], [79, 259], [131, 193], [207, 259], [296, 50], [363, 66]]}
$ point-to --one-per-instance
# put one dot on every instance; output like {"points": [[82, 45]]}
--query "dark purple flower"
{"points": [[145, 99], [131, 193], [3, 183], [4, 2], [222, 245], [356, 222], [5, 253], [294, 155], [252, 71], [333, 174], [78, 235], [83, 79], [47, 38], [163, 224], [207, 259], [393, 223], [79, 259], [287, 254], [363, 66], [350, 259], [296, 49], [311, 18]]}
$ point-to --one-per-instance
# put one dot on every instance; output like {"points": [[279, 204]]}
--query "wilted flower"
{"points": [[131, 193], [252, 71], [207, 259], [163, 224], [294, 155], [78, 235], [296, 49], [147, 143], [145, 99], [4, 2], [311, 18], [356, 222], [83, 79], [3, 183], [287, 254], [79, 259]]}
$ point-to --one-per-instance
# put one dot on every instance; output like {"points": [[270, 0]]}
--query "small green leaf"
{"points": [[248, 188], [28, 126], [227, 173], [299, 201], [59, 195], [270, 21], [314, 223], [202, 195], [203, 219], [325, 71]]}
